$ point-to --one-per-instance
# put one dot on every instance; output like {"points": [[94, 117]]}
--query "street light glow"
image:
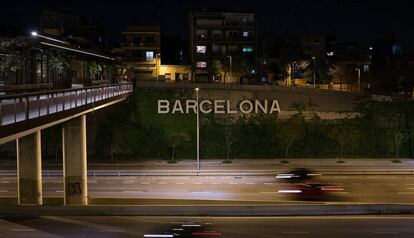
{"points": [[34, 33]]}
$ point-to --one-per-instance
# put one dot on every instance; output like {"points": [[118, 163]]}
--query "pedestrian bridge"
{"points": [[24, 116], [21, 114]]}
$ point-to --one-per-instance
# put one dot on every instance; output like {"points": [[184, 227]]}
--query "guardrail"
{"points": [[120, 173], [21, 107]]}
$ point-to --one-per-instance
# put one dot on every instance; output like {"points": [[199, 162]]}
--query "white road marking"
{"points": [[372, 177], [410, 188], [385, 232], [197, 183], [59, 191], [268, 183], [250, 183], [5, 181], [22, 229], [409, 184], [215, 183], [295, 232], [145, 182], [162, 182], [112, 230], [405, 193], [110, 182], [179, 183], [92, 181], [132, 191], [4, 191], [233, 183], [201, 192]]}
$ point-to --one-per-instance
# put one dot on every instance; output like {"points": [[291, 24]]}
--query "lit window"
{"points": [[365, 68], [201, 49], [149, 55], [247, 49], [245, 34], [201, 64]]}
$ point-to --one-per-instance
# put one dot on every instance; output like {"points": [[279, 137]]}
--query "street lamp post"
{"points": [[35, 34], [359, 79], [198, 130], [314, 73], [231, 63]]}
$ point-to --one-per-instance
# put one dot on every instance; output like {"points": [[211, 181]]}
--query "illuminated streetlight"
{"points": [[35, 34], [198, 131]]}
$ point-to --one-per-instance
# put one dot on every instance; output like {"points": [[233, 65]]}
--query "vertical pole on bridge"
{"points": [[75, 162], [29, 170]]}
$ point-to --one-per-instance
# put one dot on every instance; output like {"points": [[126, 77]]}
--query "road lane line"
{"points": [[268, 183], [385, 232], [409, 184], [145, 182], [162, 182], [5, 181], [250, 183], [406, 193], [197, 183], [4, 191], [233, 183], [215, 183], [126, 191], [22, 229], [59, 191], [296, 232], [179, 183], [201, 192]]}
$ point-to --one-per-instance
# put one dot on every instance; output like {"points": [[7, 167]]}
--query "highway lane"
{"points": [[357, 188], [226, 227]]}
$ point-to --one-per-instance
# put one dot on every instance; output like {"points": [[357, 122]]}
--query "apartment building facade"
{"points": [[223, 46]]}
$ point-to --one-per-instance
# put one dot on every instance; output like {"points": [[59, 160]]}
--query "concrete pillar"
{"points": [[29, 169], [74, 161]]}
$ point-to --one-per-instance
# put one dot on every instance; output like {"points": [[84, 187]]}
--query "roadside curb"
{"points": [[208, 210]]}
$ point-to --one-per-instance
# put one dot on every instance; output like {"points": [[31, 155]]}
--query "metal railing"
{"points": [[21, 107]]}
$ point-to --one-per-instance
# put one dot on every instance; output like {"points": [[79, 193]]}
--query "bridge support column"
{"points": [[29, 169], [74, 161]]}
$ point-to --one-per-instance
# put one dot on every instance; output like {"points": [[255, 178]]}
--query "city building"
{"points": [[223, 46], [78, 30], [141, 53]]}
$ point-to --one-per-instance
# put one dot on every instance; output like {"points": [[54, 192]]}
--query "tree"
{"points": [[216, 69], [291, 131], [323, 71], [343, 134], [175, 139], [279, 71], [229, 135]]}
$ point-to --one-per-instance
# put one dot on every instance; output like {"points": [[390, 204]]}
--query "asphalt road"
{"points": [[357, 188], [226, 227]]}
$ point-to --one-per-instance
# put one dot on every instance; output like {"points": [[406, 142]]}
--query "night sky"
{"points": [[347, 19]]}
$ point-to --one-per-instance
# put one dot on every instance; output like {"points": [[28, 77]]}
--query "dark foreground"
{"points": [[254, 227]]}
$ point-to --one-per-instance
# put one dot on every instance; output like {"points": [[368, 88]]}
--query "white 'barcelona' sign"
{"points": [[218, 106]]}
